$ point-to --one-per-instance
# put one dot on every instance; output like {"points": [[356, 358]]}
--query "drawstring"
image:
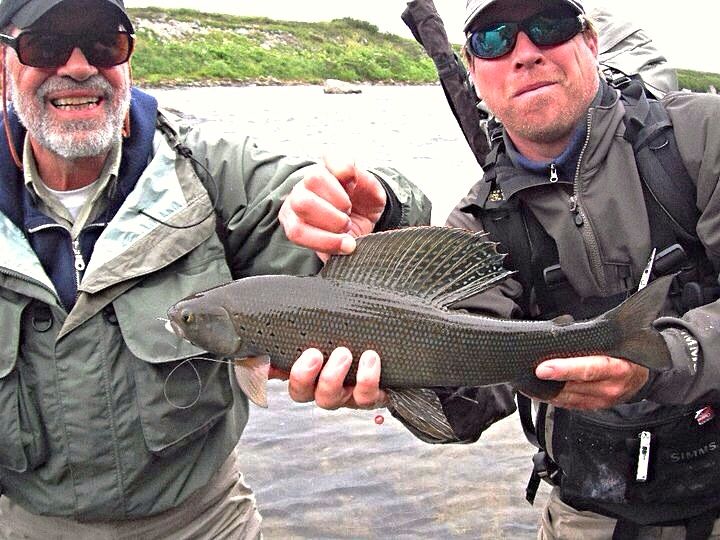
{"points": [[10, 141], [126, 122]]}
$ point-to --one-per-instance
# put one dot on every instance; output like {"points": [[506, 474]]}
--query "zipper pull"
{"points": [[643, 456], [645, 277], [553, 173], [79, 263], [575, 211]]}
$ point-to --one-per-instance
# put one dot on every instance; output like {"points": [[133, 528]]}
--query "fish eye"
{"points": [[187, 316]]}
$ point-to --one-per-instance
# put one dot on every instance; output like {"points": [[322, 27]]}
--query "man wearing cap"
{"points": [[110, 211], [630, 453]]}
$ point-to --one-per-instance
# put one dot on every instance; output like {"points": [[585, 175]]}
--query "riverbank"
{"points": [[182, 47]]}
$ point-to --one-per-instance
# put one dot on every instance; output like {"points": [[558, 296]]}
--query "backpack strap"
{"points": [[544, 468], [668, 188], [701, 527], [670, 199], [529, 247]]}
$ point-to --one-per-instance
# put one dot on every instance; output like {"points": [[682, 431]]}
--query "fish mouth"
{"points": [[173, 328]]}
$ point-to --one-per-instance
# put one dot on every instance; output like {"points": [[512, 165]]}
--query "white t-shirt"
{"points": [[73, 199]]}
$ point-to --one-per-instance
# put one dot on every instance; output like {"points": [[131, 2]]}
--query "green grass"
{"points": [[242, 49], [698, 81], [216, 48]]}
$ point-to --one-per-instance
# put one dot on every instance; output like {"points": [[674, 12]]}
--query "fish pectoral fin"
{"points": [[564, 320], [421, 409], [251, 374], [536, 388]]}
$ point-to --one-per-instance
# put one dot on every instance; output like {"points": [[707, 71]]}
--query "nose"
{"points": [[526, 53], [77, 66]]}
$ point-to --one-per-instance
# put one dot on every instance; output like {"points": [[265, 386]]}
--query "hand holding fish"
{"points": [[328, 209], [309, 380], [593, 382]]}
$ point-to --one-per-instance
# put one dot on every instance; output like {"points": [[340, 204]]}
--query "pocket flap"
{"points": [[142, 311], [12, 306]]}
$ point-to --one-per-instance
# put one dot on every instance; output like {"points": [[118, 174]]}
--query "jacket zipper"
{"points": [[581, 220], [78, 261], [79, 264]]}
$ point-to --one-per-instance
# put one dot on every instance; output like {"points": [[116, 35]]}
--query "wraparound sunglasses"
{"points": [[50, 50], [543, 29]]}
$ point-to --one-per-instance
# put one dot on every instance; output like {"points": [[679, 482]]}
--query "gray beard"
{"points": [[79, 139]]}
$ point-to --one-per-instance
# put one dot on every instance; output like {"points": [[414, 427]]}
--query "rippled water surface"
{"points": [[322, 474]]}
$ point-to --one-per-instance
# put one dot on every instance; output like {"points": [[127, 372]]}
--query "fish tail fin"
{"points": [[639, 341], [251, 374], [422, 410]]}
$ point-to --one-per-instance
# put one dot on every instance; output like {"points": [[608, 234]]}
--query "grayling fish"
{"points": [[392, 296]]}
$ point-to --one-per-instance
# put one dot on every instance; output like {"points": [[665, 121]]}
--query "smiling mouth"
{"points": [[75, 103]]}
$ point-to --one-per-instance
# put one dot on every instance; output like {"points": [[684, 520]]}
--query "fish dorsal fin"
{"points": [[439, 264]]}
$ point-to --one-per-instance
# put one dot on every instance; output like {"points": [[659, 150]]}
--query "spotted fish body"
{"points": [[393, 296], [421, 345]]}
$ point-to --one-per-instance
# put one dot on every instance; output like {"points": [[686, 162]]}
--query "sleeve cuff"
{"points": [[671, 387], [392, 215]]}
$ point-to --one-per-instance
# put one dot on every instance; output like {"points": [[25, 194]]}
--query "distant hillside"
{"points": [[186, 47]]}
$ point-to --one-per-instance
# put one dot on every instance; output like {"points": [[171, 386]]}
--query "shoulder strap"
{"points": [[669, 190], [544, 468], [528, 246]]}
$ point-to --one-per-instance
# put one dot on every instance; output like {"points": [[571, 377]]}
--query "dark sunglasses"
{"points": [[50, 50], [543, 29]]}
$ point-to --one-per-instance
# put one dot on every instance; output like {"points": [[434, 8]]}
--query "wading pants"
{"points": [[224, 509], [562, 522]]}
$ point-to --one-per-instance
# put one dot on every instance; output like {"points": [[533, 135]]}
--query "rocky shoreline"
{"points": [[271, 81]]}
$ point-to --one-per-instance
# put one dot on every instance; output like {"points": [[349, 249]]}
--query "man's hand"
{"points": [[332, 206], [593, 382], [310, 380]]}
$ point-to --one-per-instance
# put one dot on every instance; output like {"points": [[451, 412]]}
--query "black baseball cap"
{"points": [[24, 13]]}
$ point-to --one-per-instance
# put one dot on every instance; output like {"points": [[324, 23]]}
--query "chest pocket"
{"points": [[24, 441], [180, 396]]}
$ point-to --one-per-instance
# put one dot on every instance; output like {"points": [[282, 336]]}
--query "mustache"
{"points": [[96, 82]]}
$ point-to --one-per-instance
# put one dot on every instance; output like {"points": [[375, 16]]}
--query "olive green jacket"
{"points": [[100, 419]]}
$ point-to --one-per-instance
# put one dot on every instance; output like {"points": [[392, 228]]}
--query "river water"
{"points": [[341, 474]]}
